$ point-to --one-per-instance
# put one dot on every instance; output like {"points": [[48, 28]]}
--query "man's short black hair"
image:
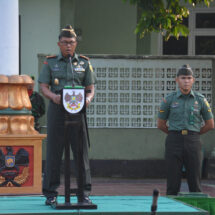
{"points": [[185, 70]]}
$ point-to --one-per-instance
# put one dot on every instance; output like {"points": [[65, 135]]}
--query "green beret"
{"points": [[68, 31]]}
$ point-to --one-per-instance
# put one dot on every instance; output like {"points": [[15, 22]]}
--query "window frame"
{"points": [[193, 30]]}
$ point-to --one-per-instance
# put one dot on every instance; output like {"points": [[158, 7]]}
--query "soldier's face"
{"points": [[185, 82], [67, 45]]}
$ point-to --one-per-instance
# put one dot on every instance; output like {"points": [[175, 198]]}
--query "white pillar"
{"points": [[9, 37]]}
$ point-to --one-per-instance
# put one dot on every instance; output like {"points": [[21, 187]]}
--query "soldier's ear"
{"points": [[194, 80]]}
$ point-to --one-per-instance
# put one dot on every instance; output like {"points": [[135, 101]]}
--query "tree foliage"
{"points": [[165, 16]]}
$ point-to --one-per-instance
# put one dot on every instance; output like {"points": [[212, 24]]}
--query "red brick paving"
{"points": [[136, 187]]}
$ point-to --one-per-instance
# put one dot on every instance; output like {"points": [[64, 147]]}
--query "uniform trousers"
{"points": [[55, 148], [183, 150]]}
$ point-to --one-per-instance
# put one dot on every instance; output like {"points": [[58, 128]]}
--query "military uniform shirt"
{"points": [[185, 111], [38, 105], [57, 72]]}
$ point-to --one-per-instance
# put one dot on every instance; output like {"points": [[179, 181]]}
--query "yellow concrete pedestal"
{"points": [[20, 143], [29, 176]]}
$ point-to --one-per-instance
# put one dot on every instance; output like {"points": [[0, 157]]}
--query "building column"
{"points": [[9, 37]]}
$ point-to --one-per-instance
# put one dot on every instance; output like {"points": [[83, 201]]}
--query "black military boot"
{"points": [[51, 200], [84, 200]]}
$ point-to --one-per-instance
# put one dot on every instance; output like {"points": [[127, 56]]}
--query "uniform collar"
{"points": [[75, 57], [61, 57], [179, 93]]}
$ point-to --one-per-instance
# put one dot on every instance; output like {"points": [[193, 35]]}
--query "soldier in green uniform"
{"points": [[38, 105], [184, 110], [56, 73]]}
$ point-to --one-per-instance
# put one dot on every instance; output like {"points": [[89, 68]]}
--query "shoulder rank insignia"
{"points": [[206, 102], [164, 100], [90, 66], [86, 58], [51, 56]]}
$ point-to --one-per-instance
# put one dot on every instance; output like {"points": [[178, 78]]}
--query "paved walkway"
{"points": [[137, 187]]}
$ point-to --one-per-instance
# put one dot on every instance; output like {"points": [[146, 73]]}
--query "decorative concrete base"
{"points": [[13, 92], [16, 124], [15, 105]]}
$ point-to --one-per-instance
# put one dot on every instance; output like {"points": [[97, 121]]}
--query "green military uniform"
{"points": [[57, 73], [183, 146], [38, 108]]}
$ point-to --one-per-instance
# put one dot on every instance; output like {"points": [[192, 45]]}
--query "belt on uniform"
{"points": [[184, 132]]}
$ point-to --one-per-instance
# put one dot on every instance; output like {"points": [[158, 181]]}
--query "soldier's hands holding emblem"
{"points": [[87, 101], [56, 98]]}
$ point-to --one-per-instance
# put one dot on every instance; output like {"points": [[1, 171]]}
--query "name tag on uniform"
{"points": [[79, 69], [195, 107], [174, 104]]}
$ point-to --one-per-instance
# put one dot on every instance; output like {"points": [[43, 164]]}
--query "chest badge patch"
{"points": [[196, 106], [56, 67], [174, 104]]}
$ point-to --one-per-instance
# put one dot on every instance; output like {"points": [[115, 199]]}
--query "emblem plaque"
{"points": [[73, 99]]}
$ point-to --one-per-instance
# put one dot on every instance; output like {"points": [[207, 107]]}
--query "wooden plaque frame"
{"points": [[34, 141]]}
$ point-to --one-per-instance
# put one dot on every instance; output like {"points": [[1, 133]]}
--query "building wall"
{"points": [[126, 144], [107, 27], [136, 144], [40, 24], [67, 12]]}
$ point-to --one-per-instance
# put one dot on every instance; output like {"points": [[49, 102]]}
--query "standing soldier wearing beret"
{"points": [[184, 111], [56, 73]]}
